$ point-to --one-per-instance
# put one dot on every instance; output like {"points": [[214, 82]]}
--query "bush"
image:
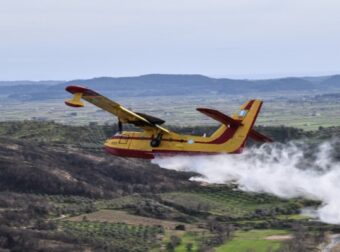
{"points": [[180, 227]]}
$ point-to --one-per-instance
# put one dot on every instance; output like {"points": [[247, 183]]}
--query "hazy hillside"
{"points": [[27, 82], [45, 157], [167, 85], [333, 81], [46, 168]]}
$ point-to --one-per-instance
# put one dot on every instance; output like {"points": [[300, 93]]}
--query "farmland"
{"points": [[213, 216], [300, 110], [245, 223]]}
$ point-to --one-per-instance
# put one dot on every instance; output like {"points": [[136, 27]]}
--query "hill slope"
{"points": [[59, 194], [47, 168]]}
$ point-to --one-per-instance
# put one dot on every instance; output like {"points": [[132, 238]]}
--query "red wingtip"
{"points": [[79, 89], [75, 89]]}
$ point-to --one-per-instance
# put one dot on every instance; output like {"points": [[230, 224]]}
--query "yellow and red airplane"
{"points": [[155, 140]]}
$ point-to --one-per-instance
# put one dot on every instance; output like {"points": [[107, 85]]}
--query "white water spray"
{"points": [[285, 170]]}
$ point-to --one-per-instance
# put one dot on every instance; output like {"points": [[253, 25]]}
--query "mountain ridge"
{"points": [[170, 85]]}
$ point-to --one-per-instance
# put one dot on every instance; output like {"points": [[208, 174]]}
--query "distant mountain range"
{"points": [[26, 82], [167, 85]]}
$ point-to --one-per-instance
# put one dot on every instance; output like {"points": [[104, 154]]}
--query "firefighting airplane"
{"points": [[155, 140]]}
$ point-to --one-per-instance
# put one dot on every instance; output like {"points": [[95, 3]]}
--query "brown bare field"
{"points": [[279, 237]]}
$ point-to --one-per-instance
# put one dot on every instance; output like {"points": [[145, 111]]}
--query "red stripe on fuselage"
{"points": [[224, 137], [150, 155], [129, 153], [184, 153]]}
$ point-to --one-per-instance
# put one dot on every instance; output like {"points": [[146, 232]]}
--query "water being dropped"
{"points": [[285, 170]]}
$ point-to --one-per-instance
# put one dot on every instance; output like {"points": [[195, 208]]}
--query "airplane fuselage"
{"points": [[138, 144]]}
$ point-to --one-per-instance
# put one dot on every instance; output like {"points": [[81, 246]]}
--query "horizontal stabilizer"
{"points": [[75, 101], [259, 137], [219, 116]]}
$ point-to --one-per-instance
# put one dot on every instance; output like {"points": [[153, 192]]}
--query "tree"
{"points": [[189, 246], [175, 240]]}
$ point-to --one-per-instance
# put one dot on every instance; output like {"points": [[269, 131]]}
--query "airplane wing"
{"points": [[124, 115]]}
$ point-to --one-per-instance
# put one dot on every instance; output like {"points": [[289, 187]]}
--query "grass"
{"points": [[293, 217], [253, 240], [186, 238]]}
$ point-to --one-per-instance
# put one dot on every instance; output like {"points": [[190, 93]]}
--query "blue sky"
{"points": [[69, 39]]}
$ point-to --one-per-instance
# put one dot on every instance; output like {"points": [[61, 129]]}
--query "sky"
{"points": [[72, 39]]}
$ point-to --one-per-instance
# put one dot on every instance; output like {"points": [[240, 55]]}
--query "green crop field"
{"points": [[187, 239], [255, 241], [224, 200], [121, 236]]}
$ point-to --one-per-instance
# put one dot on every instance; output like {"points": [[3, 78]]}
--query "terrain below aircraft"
{"points": [[155, 140]]}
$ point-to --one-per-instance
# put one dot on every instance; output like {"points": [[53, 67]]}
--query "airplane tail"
{"points": [[252, 107], [248, 114], [240, 124]]}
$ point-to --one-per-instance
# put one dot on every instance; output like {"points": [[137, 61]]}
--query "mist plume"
{"points": [[285, 170]]}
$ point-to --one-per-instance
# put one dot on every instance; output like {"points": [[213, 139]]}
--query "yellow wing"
{"points": [[124, 115]]}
